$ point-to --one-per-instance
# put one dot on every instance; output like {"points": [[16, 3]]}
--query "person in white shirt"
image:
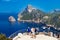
{"points": [[33, 33]]}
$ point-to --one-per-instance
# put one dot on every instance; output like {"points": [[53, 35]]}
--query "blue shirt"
{"points": [[28, 30]]}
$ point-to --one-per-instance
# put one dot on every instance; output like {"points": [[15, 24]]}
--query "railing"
{"points": [[25, 30], [15, 34]]}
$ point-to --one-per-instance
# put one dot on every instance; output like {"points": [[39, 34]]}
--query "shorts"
{"points": [[33, 33]]}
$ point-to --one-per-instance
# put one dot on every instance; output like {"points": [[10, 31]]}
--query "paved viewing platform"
{"points": [[22, 35], [38, 37]]}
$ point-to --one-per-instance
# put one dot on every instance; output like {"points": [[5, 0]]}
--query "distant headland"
{"points": [[33, 14]]}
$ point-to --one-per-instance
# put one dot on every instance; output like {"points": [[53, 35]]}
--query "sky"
{"points": [[19, 5]]}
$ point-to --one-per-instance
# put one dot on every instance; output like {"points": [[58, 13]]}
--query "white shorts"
{"points": [[33, 33]]}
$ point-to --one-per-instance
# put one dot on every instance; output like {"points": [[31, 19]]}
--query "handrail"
{"points": [[15, 34], [21, 31]]}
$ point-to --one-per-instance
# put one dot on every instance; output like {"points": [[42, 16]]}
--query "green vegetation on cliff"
{"points": [[48, 18], [3, 37], [53, 18]]}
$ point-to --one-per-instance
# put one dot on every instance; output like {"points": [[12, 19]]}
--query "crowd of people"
{"points": [[32, 32]]}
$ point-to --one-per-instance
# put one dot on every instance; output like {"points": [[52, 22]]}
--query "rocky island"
{"points": [[12, 19]]}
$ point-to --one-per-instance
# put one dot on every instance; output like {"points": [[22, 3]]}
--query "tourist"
{"points": [[29, 31], [37, 30], [33, 32]]}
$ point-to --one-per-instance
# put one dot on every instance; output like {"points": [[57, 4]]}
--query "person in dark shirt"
{"points": [[37, 30], [29, 30]]}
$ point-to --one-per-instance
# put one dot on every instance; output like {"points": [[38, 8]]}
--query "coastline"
{"points": [[30, 21]]}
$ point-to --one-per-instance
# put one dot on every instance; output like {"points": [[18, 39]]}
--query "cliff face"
{"points": [[30, 13]]}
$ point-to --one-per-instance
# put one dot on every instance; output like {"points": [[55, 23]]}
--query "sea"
{"points": [[9, 28]]}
